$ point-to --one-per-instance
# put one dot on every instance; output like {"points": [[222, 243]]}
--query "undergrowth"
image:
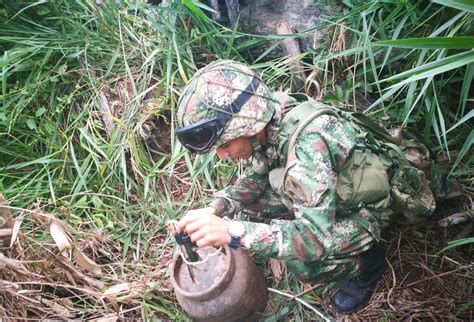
{"points": [[88, 96]]}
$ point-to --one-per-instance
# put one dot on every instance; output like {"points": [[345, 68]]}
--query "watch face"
{"points": [[236, 229]]}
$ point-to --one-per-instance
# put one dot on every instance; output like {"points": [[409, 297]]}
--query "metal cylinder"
{"points": [[226, 287]]}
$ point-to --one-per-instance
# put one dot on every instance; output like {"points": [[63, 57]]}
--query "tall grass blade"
{"points": [[466, 5], [438, 70], [466, 86], [465, 118], [465, 149], [465, 58], [460, 42]]}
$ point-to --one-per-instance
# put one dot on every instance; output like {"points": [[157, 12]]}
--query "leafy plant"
{"points": [[87, 108], [457, 243], [423, 77]]}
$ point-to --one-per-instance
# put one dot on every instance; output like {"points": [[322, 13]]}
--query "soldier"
{"points": [[318, 187]]}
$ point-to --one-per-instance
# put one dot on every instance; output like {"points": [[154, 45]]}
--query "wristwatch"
{"points": [[236, 231]]}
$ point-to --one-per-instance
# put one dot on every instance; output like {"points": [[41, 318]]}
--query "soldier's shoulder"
{"points": [[326, 124], [327, 128]]}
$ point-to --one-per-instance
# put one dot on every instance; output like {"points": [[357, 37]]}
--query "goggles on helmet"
{"points": [[199, 137]]}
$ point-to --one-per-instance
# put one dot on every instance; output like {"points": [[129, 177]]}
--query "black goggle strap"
{"points": [[233, 108], [222, 117]]}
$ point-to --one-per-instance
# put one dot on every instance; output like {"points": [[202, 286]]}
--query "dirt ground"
{"points": [[419, 284]]}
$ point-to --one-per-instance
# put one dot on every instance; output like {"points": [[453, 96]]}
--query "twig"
{"points": [[439, 275], [327, 319], [426, 268], [67, 286], [393, 286], [304, 292], [398, 250]]}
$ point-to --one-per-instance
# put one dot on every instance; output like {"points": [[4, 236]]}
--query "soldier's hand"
{"points": [[205, 228]]}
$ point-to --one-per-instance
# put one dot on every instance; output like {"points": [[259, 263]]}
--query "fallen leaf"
{"points": [[17, 266], [108, 318], [5, 212], [60, 238], [278, 268], [75, 274], [58, 308], [5, 232], [6, 222], [85, 262], [13, 264], [16, 229], [456, 218], [117, 290]]}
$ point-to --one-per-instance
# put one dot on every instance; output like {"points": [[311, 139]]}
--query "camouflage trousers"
{"points": [[269, 206]]}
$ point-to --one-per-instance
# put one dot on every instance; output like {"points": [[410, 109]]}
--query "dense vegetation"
{"points": [[88, 159]]}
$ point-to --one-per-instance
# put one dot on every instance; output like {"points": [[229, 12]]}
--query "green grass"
{"points": [[59, 59]]}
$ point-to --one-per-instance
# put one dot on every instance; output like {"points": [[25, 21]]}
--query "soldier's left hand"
{"points": [[205, 228]]}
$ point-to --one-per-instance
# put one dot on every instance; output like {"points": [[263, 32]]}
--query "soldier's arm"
{"points": [[245, 191], [317, 232]]}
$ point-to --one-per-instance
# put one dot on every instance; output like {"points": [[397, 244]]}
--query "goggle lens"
{"points": [[199, 139]]}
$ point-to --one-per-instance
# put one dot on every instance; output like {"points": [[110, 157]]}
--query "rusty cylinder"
{"points": [[226, 287]]}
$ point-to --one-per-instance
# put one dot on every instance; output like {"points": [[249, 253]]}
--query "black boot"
{"points": [[355, 292]]}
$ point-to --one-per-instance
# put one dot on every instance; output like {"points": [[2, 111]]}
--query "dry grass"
{"points": [[56, 272], [44, 276], [420, 285]]}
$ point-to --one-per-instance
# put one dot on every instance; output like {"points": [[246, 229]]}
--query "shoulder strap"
{"points": [[376, 130], [303, 124], [301, 115]]}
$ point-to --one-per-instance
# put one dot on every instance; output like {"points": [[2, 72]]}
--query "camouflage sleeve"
{"points": [[317, 232], [245, 191]]}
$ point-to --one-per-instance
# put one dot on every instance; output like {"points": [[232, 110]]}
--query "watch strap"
{"points": [[234, 242]]}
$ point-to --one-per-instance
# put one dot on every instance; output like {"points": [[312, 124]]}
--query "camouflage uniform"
{"points": [[316, 240], [296, 222]]}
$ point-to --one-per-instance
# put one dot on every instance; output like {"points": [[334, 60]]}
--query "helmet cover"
{"points": [[216, 86]]}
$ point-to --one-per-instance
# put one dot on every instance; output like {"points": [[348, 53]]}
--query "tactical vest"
{"points": [[375, 172]]}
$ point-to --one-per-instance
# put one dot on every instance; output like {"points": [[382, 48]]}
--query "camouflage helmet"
{"points": [[214, 90]]}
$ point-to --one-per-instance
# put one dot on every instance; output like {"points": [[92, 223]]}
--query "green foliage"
{"points": [[458, 4], [412, 60], [457, 243], [429, 43], [59, 60]]}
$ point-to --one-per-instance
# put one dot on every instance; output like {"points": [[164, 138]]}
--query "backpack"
{"points": [[375, 172]]}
